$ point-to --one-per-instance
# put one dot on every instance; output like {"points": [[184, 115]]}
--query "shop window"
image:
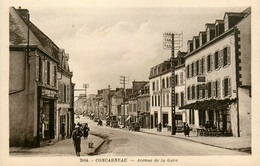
{"points": [[191, 117]]}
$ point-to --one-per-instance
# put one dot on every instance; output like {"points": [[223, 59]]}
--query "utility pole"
{"points": [[173, 42], [109, 87], [124, 80]]}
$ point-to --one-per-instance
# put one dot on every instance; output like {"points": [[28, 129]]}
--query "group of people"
{"points": [[77, 133]]}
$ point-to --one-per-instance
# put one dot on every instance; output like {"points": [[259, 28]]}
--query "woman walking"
{"points": [[76, 137], [85, 131]]}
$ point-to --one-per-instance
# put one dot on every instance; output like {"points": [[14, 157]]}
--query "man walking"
{"points": [[76, 137]]}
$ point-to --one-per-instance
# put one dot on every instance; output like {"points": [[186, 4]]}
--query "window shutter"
{"points": [[37, 68], [59, 92], [220, 58], [195, 68], [53, 80], [219, 89], [213, 91], [228, 55], [223, 87], [229, 87], [206, 91], [211, 62], [199, 66], [204, 64], [45, 71]]}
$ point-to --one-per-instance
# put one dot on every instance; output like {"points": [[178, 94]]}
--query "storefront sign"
{"points": [[201, 79], [48, 93]]}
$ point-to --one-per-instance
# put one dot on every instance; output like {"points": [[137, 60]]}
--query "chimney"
{"points": [[24, 13], [210, 30]]}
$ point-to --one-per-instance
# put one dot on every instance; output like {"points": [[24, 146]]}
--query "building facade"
{"points": [[218, 76], [160, 92]]}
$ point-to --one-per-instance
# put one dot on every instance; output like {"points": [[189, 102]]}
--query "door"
{"points": [[155, 119], [151, 121], [165, 119]]}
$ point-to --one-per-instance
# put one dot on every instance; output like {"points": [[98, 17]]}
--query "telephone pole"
{"points": [[173, 42], [124, 80]]}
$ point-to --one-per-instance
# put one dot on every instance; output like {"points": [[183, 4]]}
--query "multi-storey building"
{"points": [[33, 90], [218, 75], [160, 91], [64, 113], [143, 106]]}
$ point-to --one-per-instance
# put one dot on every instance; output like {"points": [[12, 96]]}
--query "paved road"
{"points": [[127, 143]]}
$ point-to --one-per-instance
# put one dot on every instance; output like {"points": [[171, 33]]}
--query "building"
{"points": [[160, 92], [218, 75], [64, 113], [33, 88], [143, 106]]}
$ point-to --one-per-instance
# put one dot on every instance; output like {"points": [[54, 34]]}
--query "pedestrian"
{"points": [[76, 137], [85, 131], [63, 131], [186, 130], [160, 127]]}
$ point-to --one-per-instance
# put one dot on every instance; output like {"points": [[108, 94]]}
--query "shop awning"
{"points": [[212, 104]]}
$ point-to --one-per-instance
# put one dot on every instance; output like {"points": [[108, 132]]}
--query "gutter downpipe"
{"points": [[237, 77]]}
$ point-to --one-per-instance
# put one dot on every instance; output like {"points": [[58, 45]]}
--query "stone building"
{"points": [[33, 87], [218, 75]]}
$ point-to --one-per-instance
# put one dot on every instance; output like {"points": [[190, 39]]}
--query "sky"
{"points": [[105, 43]]}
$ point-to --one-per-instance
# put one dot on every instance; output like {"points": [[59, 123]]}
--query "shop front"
{"points": [[47, 100]]}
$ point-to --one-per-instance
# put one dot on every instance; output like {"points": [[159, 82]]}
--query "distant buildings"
{"points": [[36, 65]]}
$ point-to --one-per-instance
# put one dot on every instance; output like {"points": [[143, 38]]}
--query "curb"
{"points": [[235, 149], [96, 149]]}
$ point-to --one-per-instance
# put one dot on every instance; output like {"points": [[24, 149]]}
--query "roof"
{"points": [[18, 32]]}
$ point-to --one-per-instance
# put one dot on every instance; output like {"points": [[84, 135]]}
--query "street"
{"points": [[121, 142]]}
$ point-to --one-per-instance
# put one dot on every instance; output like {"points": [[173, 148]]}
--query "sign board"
{"points": [[201, 79], [48, 93]]}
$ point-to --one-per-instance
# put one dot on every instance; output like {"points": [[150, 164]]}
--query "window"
{"points": [[55, 76], [152, 101], [226, 56], [157, 85], [181, 78], [153, 86], [193, 92], [209, 89], [202, 65], [176, 80], [217, 89], [155, 101], [182, 99], [167, 82], [226, 85], [176, 99], [198, 92], [192, 69], [48, 73], [163, 83], [159, 101], [147, 106], [216, 60], [203, 93], [167, 99], [163, 100], [188, 71], [64, 93], [197, 67], [208, 63], [40, 69], [188, 93], [191, 115]]}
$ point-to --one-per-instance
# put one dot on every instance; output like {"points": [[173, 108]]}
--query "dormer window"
{"points": [[219, 26], [202, 38]]}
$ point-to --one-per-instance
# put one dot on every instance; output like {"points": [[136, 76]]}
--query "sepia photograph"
{"points": [[127, 84]]}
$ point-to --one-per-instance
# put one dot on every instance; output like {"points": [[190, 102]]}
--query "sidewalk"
{"points": [[231, 143], [60, 148]]}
